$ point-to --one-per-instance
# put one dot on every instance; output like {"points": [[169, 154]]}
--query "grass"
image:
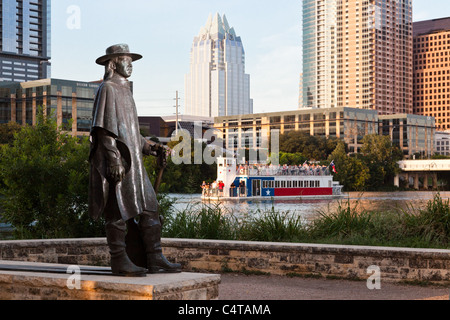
{"points": [[272, 226], [200, 222], [347, 224]]}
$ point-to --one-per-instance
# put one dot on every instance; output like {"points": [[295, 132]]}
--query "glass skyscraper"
{"points": [[319, 53], [358, 54], [25, 40], [217, 84]]}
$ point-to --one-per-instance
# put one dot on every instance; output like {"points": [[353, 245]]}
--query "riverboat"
{"points": [[271, 182]]}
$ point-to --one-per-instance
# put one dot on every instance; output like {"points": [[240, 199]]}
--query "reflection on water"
{"points": [[309, 209]]}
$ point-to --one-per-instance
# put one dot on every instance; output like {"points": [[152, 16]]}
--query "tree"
{"points": [[44, 176], [381, 158], [313, 148], [7, 132], [351, 171], [182, 178], [292, 158]]}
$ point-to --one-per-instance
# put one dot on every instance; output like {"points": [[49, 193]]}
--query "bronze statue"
{"points": [[119, 185]]}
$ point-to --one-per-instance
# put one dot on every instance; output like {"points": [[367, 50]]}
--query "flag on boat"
{"points": [[333, 166]]}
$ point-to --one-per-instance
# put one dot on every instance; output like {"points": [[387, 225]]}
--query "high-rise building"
{"points": [[319, 53], [300, 97], [25, 40], [367, 57], [431, 70], [217, 84]]}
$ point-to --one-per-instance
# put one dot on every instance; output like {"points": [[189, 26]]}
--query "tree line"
{"points": [[372, 169], [44, 174], [44, 179]]}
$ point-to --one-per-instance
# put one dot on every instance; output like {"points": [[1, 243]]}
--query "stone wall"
{"points": [[36, 285], [396, 264], [64, 251]]}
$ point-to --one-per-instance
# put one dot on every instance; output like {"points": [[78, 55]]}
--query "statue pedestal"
{"points": [[38, 281]]}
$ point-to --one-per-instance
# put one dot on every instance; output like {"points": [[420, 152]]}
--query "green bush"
{"points": [[44, 174]]}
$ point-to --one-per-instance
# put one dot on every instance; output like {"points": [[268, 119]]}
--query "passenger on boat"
{"points": [[233, 190], [203, 188], [242, 188], [221, 185]]}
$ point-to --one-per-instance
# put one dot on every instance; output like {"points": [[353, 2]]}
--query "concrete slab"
{"points": [[74, 285]]}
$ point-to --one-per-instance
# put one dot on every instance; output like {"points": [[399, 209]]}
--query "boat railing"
{"points": [[337, 190], [238, 192], [269, 172], [235, 192]]}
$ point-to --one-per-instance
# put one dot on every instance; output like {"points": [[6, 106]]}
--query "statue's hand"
{"points": [[116, 173], [158, 149]]}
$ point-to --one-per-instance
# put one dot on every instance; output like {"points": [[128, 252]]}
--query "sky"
{"points": [[163, 32]]}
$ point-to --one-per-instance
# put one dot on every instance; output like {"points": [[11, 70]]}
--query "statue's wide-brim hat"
{"points": [[117, 51]]}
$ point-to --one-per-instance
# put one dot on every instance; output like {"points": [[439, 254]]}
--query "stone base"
{"points": [[72, 285]]}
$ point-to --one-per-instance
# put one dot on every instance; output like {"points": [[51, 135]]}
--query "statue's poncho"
{"points": [[115, 112]]}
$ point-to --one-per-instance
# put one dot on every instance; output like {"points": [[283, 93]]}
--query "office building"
{"points": [[411, 133], [66, 100], [217, 84], [300, 97], [442, 143], [25, 40], [365, 48], [415, 135], [432, 70]]}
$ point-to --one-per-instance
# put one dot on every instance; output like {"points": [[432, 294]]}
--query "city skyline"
{"points": [[163, 32]]}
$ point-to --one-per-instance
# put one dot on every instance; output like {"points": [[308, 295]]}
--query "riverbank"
{"points": [[347, 223], [400, 219]]}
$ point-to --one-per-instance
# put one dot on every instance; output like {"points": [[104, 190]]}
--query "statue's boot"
{"points": [[150, 228], [121, 265]]}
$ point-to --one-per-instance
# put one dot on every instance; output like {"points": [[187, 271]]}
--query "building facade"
{"points": [[368, 55], [71, 102], [413, 134], [432, 70], [217, 84], [442, 143], [319, 53], [25, 40]]}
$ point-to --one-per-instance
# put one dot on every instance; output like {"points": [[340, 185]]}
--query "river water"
{"points": [[309, 209]]}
